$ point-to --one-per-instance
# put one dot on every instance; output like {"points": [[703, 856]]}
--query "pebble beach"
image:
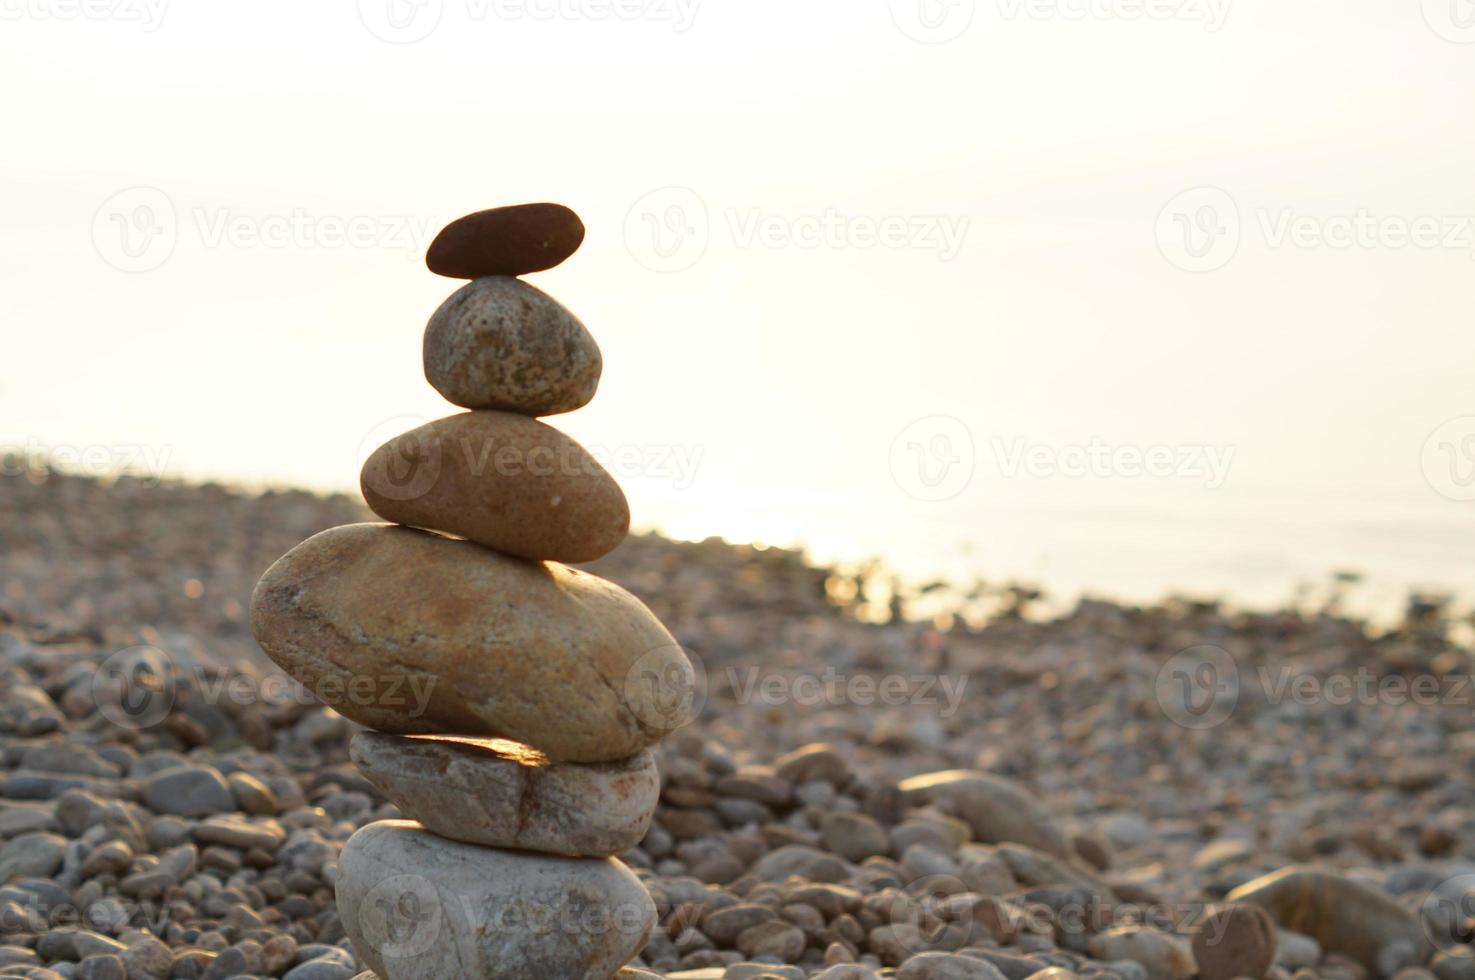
{"points": [[1140, 792]]}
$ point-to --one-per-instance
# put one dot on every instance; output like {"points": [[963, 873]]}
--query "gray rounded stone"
{"points": [[320, 969], [853, 836], [147, 958], [105, 967], [419, 907], [189, 791], [499, 343], [33, 855]]}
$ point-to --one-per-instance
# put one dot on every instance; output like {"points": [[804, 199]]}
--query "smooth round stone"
{"points": [[413, 633], [501, 794], [1238, 941], [500, 343], [508, 241], [502, 480], [419, 907]]}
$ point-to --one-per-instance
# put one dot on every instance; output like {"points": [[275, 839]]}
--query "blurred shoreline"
{"points": [[1180, 751], [91, 523]]}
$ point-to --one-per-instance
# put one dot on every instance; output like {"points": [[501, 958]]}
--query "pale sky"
{"points": [[1055, 225]]}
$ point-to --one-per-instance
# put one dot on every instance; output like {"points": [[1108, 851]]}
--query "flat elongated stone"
{"points": [[502, 480], [419, 907], [501, 794], [413, 633], [500, 343], [507, 241], [1343, 915], [997, 809]]}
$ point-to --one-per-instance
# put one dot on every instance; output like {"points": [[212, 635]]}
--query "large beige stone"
{"points": [[502, 794], [499, 343], [419, 907], [413, 633], [1343, 915], [503, 480], [997, 809]]}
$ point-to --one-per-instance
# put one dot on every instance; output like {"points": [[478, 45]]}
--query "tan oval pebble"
{"points": [[997, 809], [413, 633], [1343, 914], [502, 480], [500, 343], [420, 907], [501, 794]]}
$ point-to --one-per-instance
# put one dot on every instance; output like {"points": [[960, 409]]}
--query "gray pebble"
{"points": [[34, 855], [321, 969], [189, 791], [105, 967]]}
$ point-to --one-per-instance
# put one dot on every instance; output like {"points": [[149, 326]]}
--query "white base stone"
{"points": [[419, 907]]}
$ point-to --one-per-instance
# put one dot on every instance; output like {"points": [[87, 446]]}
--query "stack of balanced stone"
{"points": [[514, 700]]}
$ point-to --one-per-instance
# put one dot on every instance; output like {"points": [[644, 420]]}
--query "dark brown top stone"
{"points": [[510, 241]]}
